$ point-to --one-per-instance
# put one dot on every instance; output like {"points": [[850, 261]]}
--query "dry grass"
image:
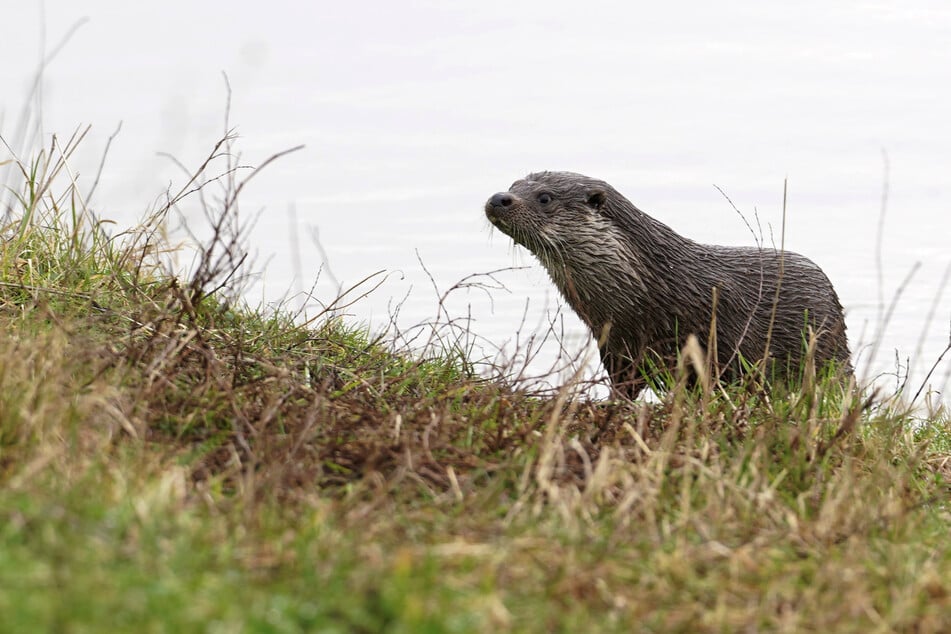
{"points": [[171, 461]]}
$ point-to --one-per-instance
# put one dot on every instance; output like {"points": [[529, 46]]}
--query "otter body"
{"points": [[642, 288]]}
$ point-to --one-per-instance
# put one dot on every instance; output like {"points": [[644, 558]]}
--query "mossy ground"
{"points": [[172, 461]]}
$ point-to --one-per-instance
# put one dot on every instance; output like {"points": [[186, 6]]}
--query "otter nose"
{"points": [[502, 199]]}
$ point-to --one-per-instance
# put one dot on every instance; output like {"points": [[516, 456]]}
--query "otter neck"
{"points": [[631, 258]]}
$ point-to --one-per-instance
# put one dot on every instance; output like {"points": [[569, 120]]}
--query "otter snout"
{"points": [[495, 207], [502, 199]]}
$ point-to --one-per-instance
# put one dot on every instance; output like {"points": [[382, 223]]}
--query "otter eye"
{"points": [[544, 198]]}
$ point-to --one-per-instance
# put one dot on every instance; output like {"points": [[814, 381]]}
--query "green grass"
{"points": [[172, 461]]}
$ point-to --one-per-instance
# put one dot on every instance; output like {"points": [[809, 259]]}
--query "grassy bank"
{"points": [[170, 461]]}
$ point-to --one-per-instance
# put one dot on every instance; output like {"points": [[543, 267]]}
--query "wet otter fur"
{"points": [[642, 288]]}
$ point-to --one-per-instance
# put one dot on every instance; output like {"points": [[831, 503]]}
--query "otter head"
{"points": [[574, 225], [544, 211]]}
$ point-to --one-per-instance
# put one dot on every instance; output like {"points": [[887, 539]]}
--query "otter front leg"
{"points": [[626, 379]]}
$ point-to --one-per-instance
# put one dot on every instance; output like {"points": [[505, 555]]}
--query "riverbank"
{"points": [[171, 460]]}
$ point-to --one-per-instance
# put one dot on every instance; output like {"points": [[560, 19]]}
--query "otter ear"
{"points": [[596, 198]]}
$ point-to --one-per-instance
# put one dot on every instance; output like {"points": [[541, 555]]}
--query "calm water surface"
{"points": [[412, 115]]}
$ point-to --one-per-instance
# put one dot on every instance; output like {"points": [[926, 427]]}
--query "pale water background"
{"points": [[413, 113]]}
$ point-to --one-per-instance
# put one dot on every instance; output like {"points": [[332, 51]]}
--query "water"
{"points": [[412, 115]]}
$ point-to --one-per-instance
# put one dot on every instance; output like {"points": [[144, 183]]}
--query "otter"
{"points": [[643, 289]]}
